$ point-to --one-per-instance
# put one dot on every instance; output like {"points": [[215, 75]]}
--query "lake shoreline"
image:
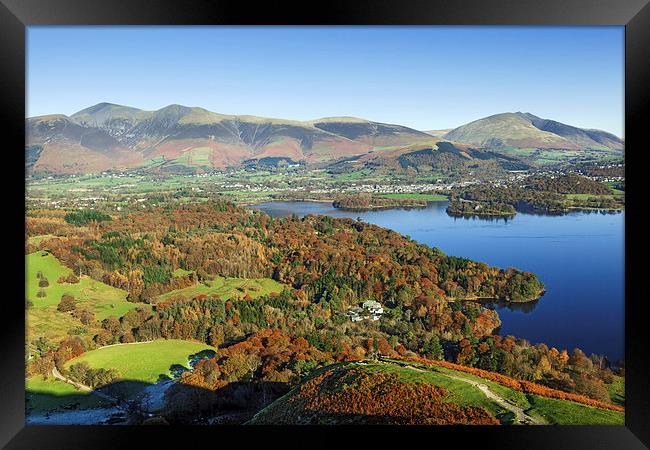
{"points": [[481, 299], [578, 256]]}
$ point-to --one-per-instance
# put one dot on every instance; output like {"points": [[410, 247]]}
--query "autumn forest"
{"points": [[165, 260]]}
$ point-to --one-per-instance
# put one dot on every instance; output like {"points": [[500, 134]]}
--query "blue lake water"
{"points": [[579, 257]]}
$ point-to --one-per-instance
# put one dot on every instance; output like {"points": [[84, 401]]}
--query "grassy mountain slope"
{"points": [[397, 392], [524, 130]]}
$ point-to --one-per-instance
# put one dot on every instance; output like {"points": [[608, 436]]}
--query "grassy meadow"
{"points": [[43, 318], [103, 299], [226, 288], [144, 362]]}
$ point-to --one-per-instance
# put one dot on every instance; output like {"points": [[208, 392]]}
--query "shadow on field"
{"points": [[234, 403], [124, 390], [178, 403]]}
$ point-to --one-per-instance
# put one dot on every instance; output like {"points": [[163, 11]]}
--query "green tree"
{"points": [[432, 349]]}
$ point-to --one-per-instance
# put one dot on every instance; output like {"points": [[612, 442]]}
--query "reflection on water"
{"points": [[504, 219], [525, 307], [527, 208], [579, 256], [603, 211]]}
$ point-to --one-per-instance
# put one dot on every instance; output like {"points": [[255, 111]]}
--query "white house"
{"points": [[370, 310], [355, 314]]}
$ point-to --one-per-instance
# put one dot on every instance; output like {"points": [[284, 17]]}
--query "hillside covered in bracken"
{"points": [[416, 391], [354, 395]]}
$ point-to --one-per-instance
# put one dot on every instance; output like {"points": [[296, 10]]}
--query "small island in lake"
{"points": [[366, 202], [466, 208]]}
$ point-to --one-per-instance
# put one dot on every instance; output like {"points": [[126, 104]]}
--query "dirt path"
{"points": [[522, 417], [82, 387], [520, 414]]}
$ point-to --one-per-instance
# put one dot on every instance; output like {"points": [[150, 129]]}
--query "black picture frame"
{"points": [[15, 15]]}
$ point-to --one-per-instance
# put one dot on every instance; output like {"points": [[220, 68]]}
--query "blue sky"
{"points": [[423, 77]]}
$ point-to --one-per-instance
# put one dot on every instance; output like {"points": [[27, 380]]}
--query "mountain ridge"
{"points": [[184, 139]]}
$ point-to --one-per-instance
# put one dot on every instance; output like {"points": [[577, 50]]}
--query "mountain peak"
{"points": [[102, 107], [339, 119], [48, 118], [174, 107], [103, 113], [525, 130]]}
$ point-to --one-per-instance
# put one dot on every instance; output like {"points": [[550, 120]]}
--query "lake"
{"points": [[578, 256]]}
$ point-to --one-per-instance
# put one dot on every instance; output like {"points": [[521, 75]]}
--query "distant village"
{"points": [[127, 185]]}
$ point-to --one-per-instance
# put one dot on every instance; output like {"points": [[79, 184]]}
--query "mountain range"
{"points": [[182, 139]]}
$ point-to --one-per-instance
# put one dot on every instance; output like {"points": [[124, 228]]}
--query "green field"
{"points": [[144, 362], [586, 196], [518, 151], [43, 395], [614, 200], [104, 300], [416, 196], [226, 288], [558, 154], [355, 175], [548, 156], [545, 161], [43, 319], [181, 272], [198, 156], [563, 412], [51, 324]]}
